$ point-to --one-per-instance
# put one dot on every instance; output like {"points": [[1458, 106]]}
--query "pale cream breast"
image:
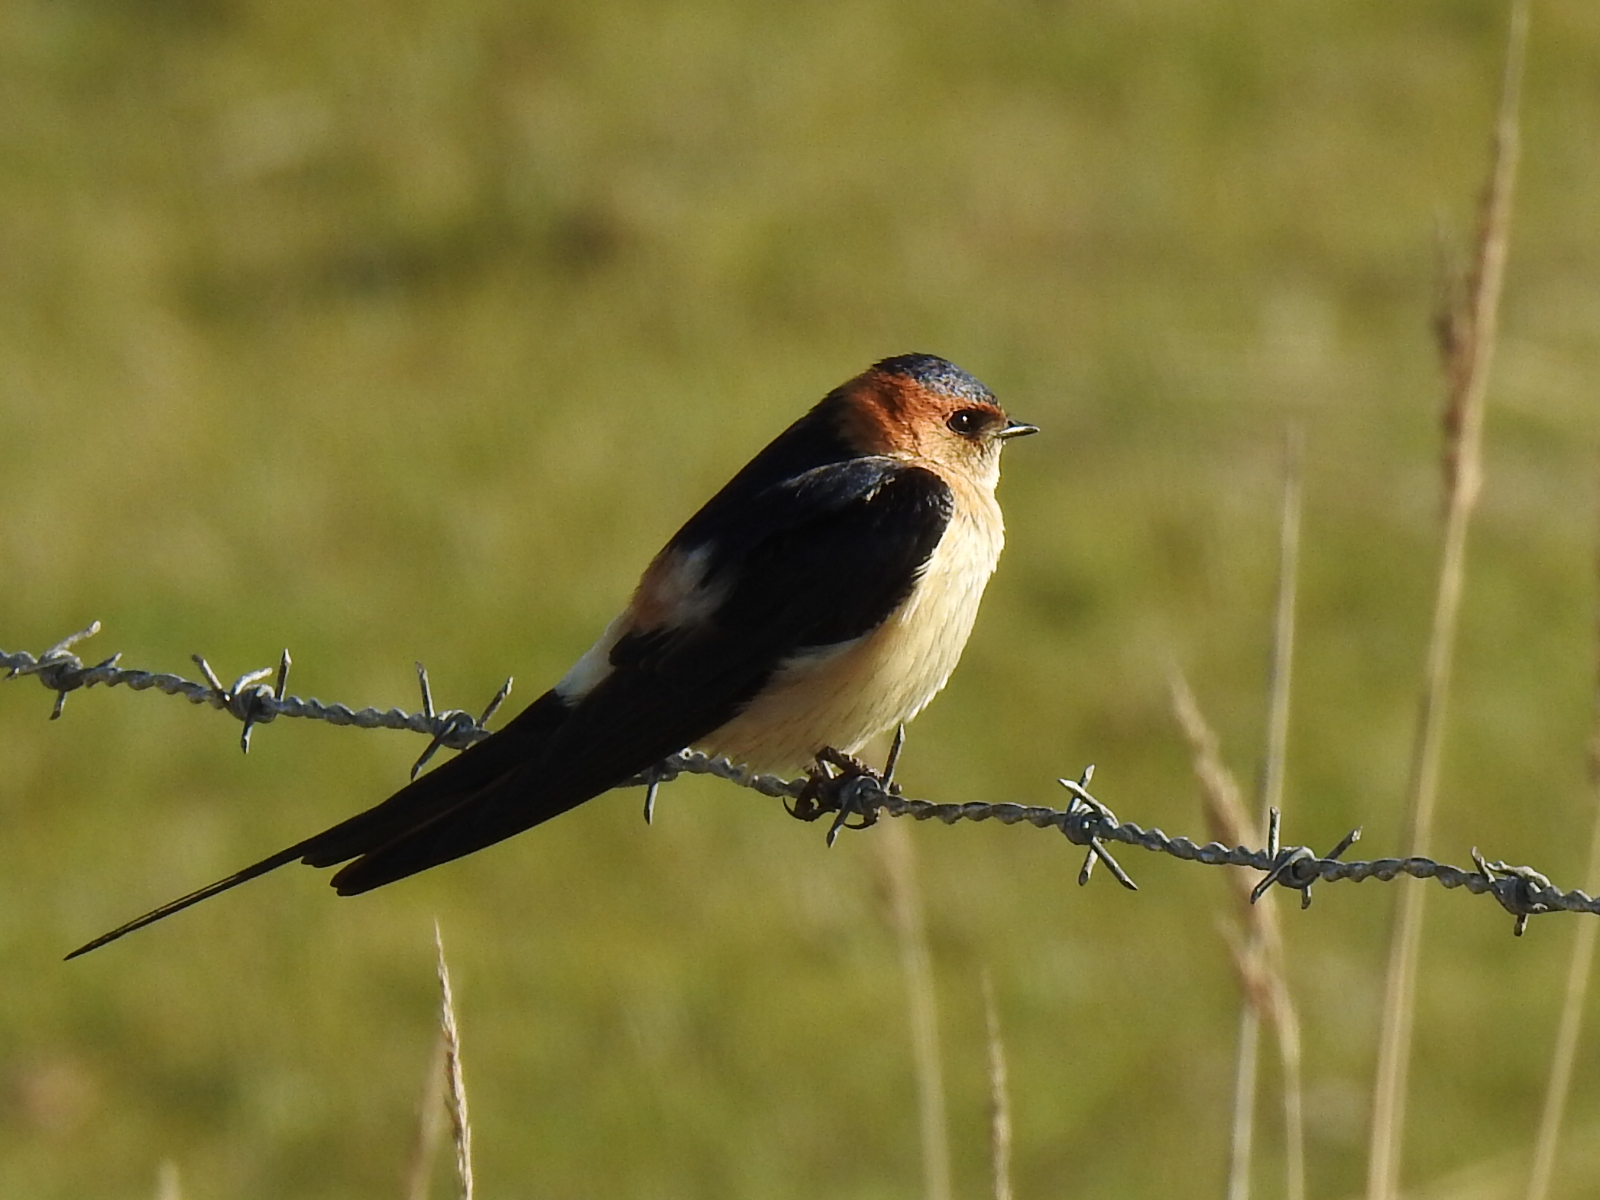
{"points": [[843, 696]]}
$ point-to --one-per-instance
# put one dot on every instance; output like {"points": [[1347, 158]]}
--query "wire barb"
{"points": [[1519, 889], [653, 779], [454, 727], [1297, 867], [1086, 810], [58, 668], [256, 713]]}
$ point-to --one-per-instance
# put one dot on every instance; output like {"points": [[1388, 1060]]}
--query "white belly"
{"points": [[845, 695]]}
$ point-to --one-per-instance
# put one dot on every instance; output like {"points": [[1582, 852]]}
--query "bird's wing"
{"points": [[811, 562]]}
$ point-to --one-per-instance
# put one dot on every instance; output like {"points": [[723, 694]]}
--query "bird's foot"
{"points": [[838, 783]]}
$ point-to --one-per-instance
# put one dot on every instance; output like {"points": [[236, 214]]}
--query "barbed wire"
{"points": [[842, 787]]}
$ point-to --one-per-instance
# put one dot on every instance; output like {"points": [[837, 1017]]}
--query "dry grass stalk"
{"points": [[999, 1094], [1227, 818], [1274, 764], [455, 1083], [1466, 341], [168, 1186], [1282, 671], [1246, 1067], [911, 932], [1565, 1053], [1257, 956]]}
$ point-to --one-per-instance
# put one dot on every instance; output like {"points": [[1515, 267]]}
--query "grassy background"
{"points": [[404, 330]]}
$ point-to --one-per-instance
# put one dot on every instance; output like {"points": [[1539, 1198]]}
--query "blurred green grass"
{"points": [[395, 331]]}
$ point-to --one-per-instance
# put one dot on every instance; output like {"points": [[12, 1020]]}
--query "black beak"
{"points": [[1017, 429]]}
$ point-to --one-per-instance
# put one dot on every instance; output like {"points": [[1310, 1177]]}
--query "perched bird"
{"points": [[820, 598]]}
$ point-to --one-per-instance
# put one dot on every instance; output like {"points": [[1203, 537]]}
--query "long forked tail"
{"points": [[182, 902], [419, 823]]}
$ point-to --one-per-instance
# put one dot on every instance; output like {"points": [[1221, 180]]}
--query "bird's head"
{"points": [[923, 408]]}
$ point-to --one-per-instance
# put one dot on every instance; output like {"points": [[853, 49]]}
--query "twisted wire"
{"points": [[845, 793]]}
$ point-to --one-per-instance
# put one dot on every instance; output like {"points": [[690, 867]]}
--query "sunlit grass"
{"points": [[400, 331]]}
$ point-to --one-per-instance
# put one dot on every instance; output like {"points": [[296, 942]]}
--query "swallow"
{"points": [[821, 598]]}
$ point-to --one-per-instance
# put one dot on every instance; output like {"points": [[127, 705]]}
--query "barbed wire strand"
{"points": [[845, 789]]}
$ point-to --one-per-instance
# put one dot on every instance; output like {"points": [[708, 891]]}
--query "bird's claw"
{"points": [[835, 784]]}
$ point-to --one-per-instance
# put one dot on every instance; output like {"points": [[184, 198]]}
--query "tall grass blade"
{"points": [[1273, 766], [1467, 341], [455, 1083], [1257, 956], [911, 933], [999, 1094], [1579, 970]]}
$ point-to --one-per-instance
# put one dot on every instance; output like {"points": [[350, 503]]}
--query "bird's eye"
{"points": [[969, 422]]}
